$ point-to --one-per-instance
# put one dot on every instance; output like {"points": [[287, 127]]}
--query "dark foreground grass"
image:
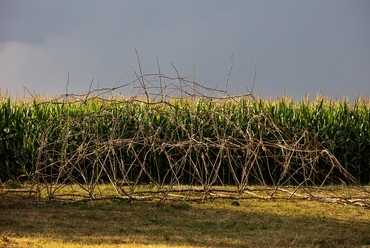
{"points": [[218, 223]]}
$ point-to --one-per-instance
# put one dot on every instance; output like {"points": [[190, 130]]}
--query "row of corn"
{"points": [[51, 130]]}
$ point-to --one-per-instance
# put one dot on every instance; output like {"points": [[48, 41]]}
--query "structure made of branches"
{"points": [[175, 138]]}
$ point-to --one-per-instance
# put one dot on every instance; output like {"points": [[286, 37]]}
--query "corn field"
{"points": [[181, 133]]}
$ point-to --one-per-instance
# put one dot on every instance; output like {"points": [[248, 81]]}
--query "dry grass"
{"points": [[218, 223]]}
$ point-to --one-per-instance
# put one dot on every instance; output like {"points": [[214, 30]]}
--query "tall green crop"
{"points": [[341, 126]]}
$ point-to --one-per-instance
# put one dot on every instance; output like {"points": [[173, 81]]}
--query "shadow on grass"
{"points": [[212, 224]]}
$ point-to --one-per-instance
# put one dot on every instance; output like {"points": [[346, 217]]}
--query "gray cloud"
{"points": [[300, 46]]}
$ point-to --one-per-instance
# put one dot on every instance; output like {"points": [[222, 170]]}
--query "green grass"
{"points": [[218, 223]]}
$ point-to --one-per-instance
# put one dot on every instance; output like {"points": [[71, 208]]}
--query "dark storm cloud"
{"points": [[300, 46], [31, 21]]}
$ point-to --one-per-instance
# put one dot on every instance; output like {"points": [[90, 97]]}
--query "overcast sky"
{"points": [[299, 46]]}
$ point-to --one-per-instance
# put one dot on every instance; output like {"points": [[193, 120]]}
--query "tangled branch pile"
{"points": [[178, 136]]}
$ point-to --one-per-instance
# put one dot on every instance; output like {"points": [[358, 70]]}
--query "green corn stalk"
{"points": [[341, 126]]}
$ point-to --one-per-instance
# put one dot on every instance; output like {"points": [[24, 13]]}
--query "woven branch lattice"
{"points": [[175, 138]]}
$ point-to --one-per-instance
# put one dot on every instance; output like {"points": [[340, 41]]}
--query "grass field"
{"points": [[218, 223]]}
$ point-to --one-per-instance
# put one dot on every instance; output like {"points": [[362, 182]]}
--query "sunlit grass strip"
{"points": [[217, 223]]}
